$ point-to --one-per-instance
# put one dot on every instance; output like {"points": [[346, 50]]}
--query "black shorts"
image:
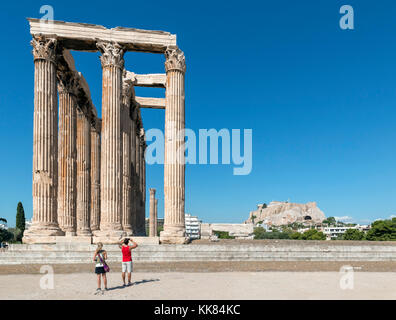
{"points": [[99, 270]]}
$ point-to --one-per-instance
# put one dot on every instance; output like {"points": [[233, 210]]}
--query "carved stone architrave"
{"points": [[112, 54], [44, 48], [175, 60]]}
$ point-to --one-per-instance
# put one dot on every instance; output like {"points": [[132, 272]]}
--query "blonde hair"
{"points": [[99, 246]]}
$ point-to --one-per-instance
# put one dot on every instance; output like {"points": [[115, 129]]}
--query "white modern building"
{"points": [[334, 232], [193, 226]]}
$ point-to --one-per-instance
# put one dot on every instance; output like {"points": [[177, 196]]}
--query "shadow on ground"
{"points": [[133, 284]]}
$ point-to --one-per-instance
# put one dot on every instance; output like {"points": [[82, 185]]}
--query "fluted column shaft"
{"points": [[112, 64], [152, 213], [137, 183], [142, 209], [67, 155], [133, 205], [174, 167], [45, 141], [126, 170], [144, 189], [95, 177], [156, 217], [83, 174]]}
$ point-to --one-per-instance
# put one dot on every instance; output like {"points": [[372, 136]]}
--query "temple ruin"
{"points": [[89, 173]]}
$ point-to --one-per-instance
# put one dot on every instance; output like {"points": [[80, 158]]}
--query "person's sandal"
{"points": [[98, 290]]}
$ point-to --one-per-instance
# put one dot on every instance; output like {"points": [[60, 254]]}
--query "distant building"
{"points": [[193, 226], [335, 232]]}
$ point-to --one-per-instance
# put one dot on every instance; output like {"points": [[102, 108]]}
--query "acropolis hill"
{"points": [[279, 213]]}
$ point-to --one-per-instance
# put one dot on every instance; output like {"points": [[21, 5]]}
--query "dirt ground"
{"points": [[209, 285]]}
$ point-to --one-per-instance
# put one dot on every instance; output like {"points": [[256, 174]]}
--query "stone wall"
{"points": [[251, 250], [239, 231]]}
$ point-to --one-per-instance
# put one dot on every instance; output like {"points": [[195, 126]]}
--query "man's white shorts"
{"points": [[127, 266]]}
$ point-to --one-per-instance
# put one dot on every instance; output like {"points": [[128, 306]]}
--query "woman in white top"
{"points": [[100, 257]]}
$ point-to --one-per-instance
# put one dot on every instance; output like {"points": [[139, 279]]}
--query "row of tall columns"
{"points": [[67, 154], [66, 160], [101, 176]]}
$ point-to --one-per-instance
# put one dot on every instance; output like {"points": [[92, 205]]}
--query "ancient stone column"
{"points": [[45, 144], [152, 213], [112, 65], [156, 217], [83, 174], [126, 170], [133, 172], [143, 181], [174, 167], [142, 211], [67, 153], [138, 199], [95, 175]]}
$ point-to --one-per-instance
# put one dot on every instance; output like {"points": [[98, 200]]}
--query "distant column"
{"points": [[83, 174], [174, 167], [110, 193], [95, 175], [156, 218], [45, 143], [152, 213], [67, 153]]}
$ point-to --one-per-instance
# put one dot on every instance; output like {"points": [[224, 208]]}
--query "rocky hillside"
{"points": [[282, 213]]}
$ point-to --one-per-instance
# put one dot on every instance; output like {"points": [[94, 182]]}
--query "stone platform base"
{"points": [[116, 240], [85, 240], [32, 239], [173, 240]]}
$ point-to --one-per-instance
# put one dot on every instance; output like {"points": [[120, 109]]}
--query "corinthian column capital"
{"points": [[112, 54], [175, 59], [67, 82], [44, 48]]}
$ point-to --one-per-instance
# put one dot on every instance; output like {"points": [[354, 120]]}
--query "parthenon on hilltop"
{"points": [[89, 173]]}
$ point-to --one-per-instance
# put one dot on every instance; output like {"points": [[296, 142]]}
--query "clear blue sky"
{"points": [[321, 101]]}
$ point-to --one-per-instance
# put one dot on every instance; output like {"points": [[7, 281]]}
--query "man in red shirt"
{"points": [[127, 258]]}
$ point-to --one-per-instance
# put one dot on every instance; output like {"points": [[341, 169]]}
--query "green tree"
{"points": [[260, 233], [330, 221], [311, 234], [223, 235], [382, 230], [5, 235], [353, 234], [296, 236], [20, 221]]}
